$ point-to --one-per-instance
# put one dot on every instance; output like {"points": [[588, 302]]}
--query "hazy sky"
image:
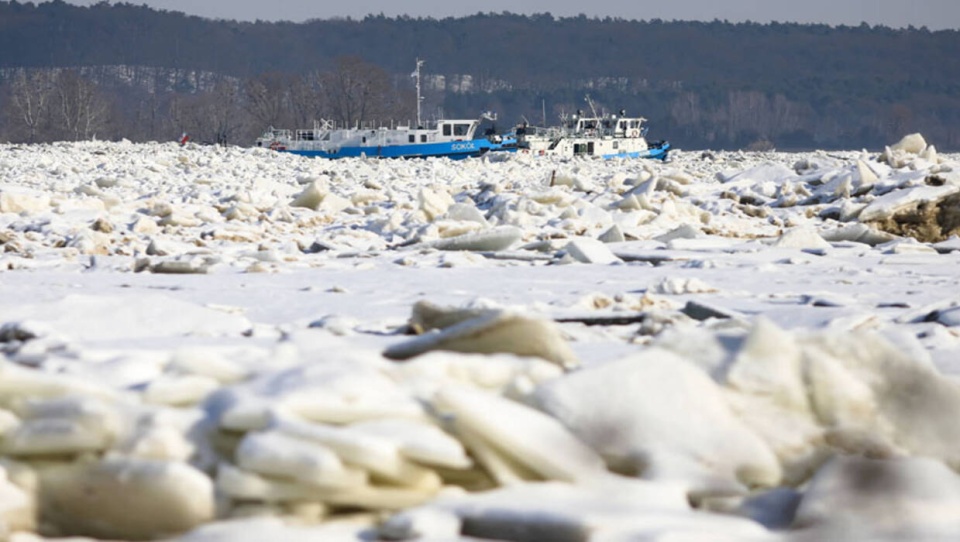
{"points": [[934, 14]]}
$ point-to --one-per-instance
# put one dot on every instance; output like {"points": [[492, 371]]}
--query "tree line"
{"points": [[701, 84], [43, 105]]}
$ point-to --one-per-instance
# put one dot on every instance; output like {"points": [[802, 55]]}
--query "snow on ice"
{"points": [[208, 344]]}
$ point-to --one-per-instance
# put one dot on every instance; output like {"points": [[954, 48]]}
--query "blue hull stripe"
{"points": [[657, 153], [448, 149]]}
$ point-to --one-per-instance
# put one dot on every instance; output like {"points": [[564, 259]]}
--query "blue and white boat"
{"points": [[453, 139], [447, 138], [605, 136]]}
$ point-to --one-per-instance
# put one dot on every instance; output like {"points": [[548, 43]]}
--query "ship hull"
{"points": [[660, 152], [451, 149]]}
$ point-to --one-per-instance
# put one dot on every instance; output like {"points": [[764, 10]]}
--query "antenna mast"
{"points": [[416, 74], [592, 109]]}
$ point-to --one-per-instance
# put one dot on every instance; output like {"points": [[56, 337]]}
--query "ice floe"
{"points": [[209, 344]]}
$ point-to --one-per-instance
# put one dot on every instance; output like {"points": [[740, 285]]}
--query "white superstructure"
{"points": [[607, 136]]}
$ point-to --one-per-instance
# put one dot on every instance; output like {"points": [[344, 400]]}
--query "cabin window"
{"points": [[590, 148], [623, 125], [461, 129], [413, 138], [364, 139], [616, 145], [446, 129], [423, 138]]}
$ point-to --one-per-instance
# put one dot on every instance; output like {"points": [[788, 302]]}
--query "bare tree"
{"points": [[148, 113], [215, 117], [82, 108], [225, 112], [268, 99], [686, 109], [358, 91], [308, 99], [177, 119], [30, 97]]}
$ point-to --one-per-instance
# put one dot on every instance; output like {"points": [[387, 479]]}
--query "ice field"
{"points": [[225, 344]]}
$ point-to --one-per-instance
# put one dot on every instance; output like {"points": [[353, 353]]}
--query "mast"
{"points": [[416, 75], [592, 108]]}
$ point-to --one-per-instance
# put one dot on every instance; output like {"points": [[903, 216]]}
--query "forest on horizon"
{"points": [[114, 71]]}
